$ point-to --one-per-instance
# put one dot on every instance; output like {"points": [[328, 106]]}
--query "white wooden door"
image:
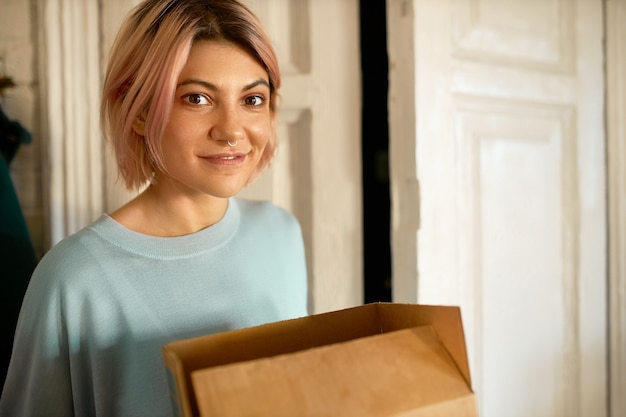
{"points": [[498, 189], [317, 171]]}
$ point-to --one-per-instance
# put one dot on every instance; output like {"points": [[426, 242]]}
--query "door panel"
{"points": [[509, 186]]}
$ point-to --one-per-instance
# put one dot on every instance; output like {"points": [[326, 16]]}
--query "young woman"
{"points": [[190, 107]]}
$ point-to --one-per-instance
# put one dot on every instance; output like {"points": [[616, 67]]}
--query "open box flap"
{"points": [[446, 320], [380, 375], [185, 356]]}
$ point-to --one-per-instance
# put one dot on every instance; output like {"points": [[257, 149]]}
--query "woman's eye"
{"points": [[254, 101], [196, 99]]}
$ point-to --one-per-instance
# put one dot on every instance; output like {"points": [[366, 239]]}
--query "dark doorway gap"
{"points": [[375, 149]]}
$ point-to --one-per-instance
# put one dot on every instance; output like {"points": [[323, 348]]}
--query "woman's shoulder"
{"points": [[82, 237], [264, 210], [75, 252]]}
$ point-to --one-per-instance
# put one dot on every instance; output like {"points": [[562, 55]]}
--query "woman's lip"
{"points": [[225, 158]]}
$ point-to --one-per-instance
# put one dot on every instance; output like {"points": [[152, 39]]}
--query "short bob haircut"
{"points": [[145, 62]]}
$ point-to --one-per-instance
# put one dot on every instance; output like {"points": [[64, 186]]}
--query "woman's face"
{"points": [[222, 95]]}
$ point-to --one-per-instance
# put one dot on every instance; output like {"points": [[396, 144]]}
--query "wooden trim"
{"points": [[70, 89], [616, 161], [403, 169]]}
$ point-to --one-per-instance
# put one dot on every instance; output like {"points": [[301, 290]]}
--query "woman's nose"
{"points": [[227, 125]]}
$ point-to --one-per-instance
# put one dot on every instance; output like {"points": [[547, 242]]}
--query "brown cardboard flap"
{"points": [[262, 343], [458, 407], [371, 376], [446, 320]]}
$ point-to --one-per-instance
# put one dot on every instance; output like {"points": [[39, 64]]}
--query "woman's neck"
{"points": [[158, 211]]}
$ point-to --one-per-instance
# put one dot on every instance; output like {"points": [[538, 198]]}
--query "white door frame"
{"points": [[69, 74], [615, 13]]}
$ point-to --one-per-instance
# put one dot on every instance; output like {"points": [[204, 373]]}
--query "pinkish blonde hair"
{"points": [[145, 62]]}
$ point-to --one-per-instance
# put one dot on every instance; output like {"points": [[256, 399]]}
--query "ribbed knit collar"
{"points": [[170, 247]]}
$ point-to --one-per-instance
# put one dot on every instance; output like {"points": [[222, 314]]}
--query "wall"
{"points": [[18, 60]]}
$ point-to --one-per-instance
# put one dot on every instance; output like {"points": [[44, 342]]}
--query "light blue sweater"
{"points": [[103, 302]]}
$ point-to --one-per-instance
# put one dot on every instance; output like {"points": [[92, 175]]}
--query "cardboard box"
{"points": [[380, 359]]}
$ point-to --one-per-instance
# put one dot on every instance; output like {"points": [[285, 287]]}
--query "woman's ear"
{"points": [[139, 125]]}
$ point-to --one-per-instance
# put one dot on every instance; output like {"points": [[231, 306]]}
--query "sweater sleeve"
{"points": [[38, 381]]}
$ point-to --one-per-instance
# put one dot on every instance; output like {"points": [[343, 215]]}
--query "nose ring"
{"points": [[230, 143]]}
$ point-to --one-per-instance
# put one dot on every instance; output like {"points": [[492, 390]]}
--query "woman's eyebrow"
{"points": [[213, 87], [260, 81]]}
